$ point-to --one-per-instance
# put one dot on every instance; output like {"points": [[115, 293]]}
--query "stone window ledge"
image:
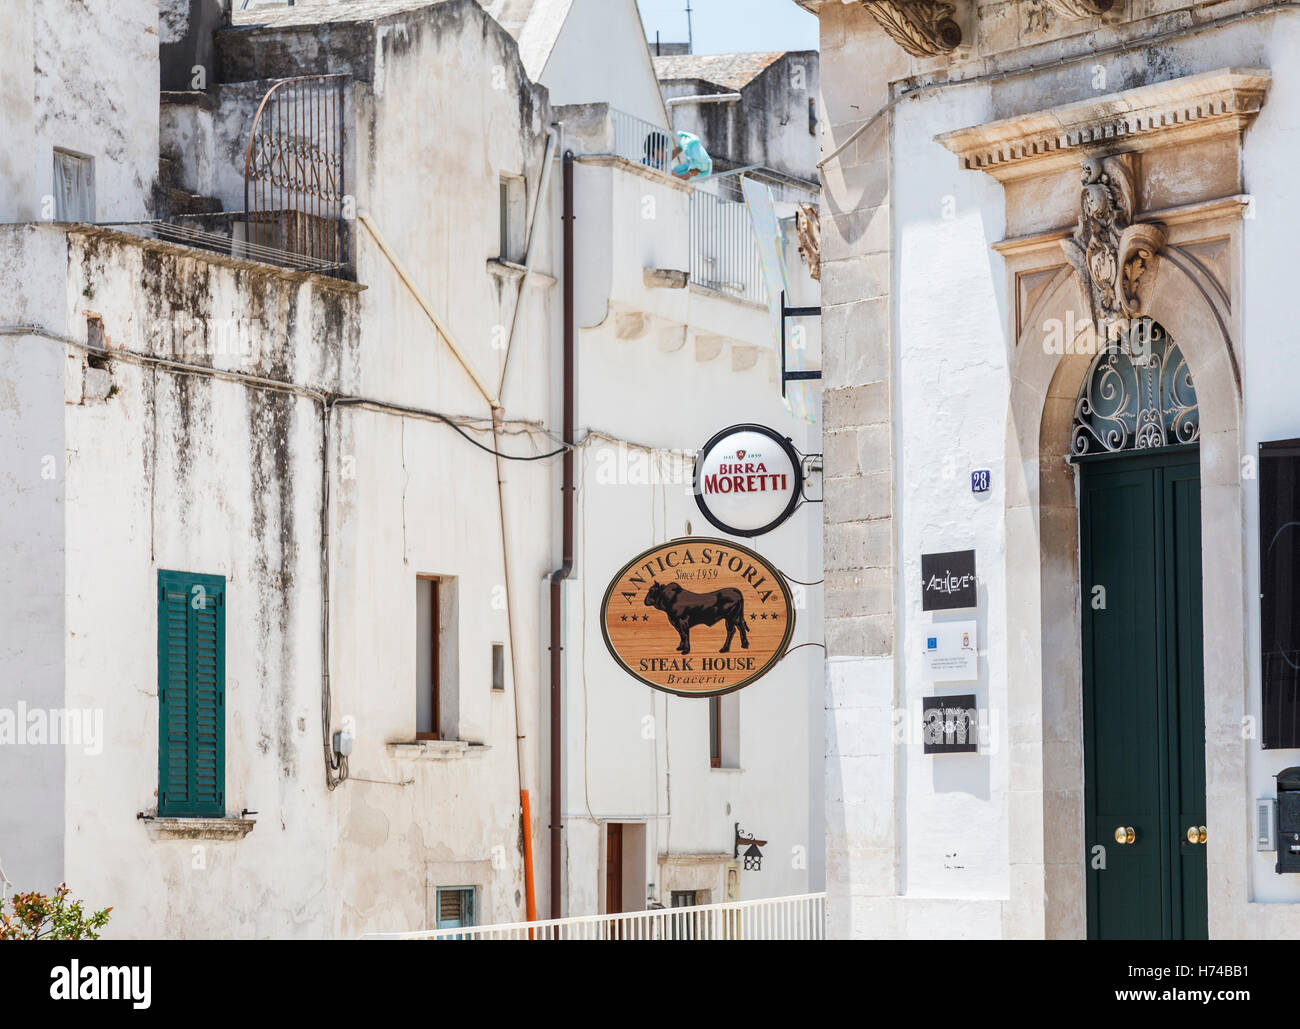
{"points": [[224, 829], [727, 769], [514, 270], [437, 750]]}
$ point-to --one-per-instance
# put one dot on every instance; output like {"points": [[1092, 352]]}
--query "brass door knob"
{"points": [[1125, 834], [1196, 834]]}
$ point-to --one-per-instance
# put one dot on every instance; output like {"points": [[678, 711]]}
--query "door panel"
{"points": [[1187, 694], [613, 868], [1144, 767], [1122, 767]]}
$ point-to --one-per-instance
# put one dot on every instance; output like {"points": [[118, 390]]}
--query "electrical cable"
{"points": [[438, 416]]}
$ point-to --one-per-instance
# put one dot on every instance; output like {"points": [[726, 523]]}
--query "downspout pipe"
{"points": [[566, 558]]}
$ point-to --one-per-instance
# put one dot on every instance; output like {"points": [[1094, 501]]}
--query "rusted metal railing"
{"points": [[293, 170]]}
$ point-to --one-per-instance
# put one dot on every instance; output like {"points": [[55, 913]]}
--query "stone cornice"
{"points": [[924, 28], [1084, 8], [1213, 103]]}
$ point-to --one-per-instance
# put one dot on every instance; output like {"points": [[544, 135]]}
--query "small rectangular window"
{"points": [[498, 668], [724, 731], [191, 694], [812, 116], [455, 907], [436, 697], [428, 631], [74, 187], [513, 234]]}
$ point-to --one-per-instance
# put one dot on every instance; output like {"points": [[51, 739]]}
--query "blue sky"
{"points": [[732, 26]]}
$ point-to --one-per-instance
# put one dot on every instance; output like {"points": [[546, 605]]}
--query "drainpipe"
{"points": [[566, 566]]}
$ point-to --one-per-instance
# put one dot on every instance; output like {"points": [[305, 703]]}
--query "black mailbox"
{"points": [[1288, 821]]}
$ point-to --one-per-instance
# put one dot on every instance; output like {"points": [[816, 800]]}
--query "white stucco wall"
{"points": [[618, 71], [667, 368], [951, 368], [33, 541], [1271, 367], [96, 93]]}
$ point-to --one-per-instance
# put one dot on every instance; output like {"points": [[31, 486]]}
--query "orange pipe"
{"points": [[531, 898]]}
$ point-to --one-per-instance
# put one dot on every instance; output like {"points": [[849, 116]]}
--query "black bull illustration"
{"points": [[686, 609]]}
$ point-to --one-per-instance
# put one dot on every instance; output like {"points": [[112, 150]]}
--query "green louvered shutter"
{"points": [[191, 694]]}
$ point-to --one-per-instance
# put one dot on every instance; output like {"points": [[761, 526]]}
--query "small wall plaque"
{"points": [[949, 725], [948, 580]]}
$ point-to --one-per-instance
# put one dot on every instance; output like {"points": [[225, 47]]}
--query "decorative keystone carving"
{"points": [[1082, 8], [924, 28], [1111, 254]]}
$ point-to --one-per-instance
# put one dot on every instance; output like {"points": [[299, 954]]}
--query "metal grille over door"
{"points": [[293, 171], [1137, 395]]}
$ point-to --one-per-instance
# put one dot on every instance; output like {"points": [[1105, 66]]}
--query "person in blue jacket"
{"points": [[690, 159]]}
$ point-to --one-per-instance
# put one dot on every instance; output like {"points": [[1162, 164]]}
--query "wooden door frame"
{"points": [[435, 685], [614, 865]]}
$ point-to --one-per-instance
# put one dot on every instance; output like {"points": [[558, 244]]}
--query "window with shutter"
{"points": [[191, 694], [455, 907]]}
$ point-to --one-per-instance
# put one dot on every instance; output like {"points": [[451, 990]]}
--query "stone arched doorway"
{"points": [[1050, 365]]}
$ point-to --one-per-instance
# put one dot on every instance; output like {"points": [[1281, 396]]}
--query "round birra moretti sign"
{"points": [[748, 480], [697, 617]]}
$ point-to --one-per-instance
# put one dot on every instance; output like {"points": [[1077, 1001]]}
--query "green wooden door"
{"points": [[1143, 697]]}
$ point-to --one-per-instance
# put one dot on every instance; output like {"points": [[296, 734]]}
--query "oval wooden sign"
{"points": [[697, 617]]}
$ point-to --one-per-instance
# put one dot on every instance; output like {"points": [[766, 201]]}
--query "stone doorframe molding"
{"points": [[1191, 286]]}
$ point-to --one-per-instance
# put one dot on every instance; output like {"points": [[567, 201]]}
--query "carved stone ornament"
{"points": [[1082, 8], [924, 28], [1111, 254]]}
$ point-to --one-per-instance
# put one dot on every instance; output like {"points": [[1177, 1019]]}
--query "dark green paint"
{"points": [[191, 694], [1143, 693]]}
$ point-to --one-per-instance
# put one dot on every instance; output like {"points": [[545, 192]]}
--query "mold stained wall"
{"points": [[96, 93], [448, 114], [192, 474]]}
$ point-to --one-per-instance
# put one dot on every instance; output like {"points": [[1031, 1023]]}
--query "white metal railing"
{"points": [[641, 141], [724, 255], [776, 918]]}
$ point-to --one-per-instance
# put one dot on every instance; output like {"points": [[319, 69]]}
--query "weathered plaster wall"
{"points": [[18, 195], [96, 93], [191, 473], [667, 368], [32, 545], [424, 501], [188, 473]]}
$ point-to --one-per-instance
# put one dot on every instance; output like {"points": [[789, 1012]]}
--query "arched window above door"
{"points": [[1137, 395]]}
